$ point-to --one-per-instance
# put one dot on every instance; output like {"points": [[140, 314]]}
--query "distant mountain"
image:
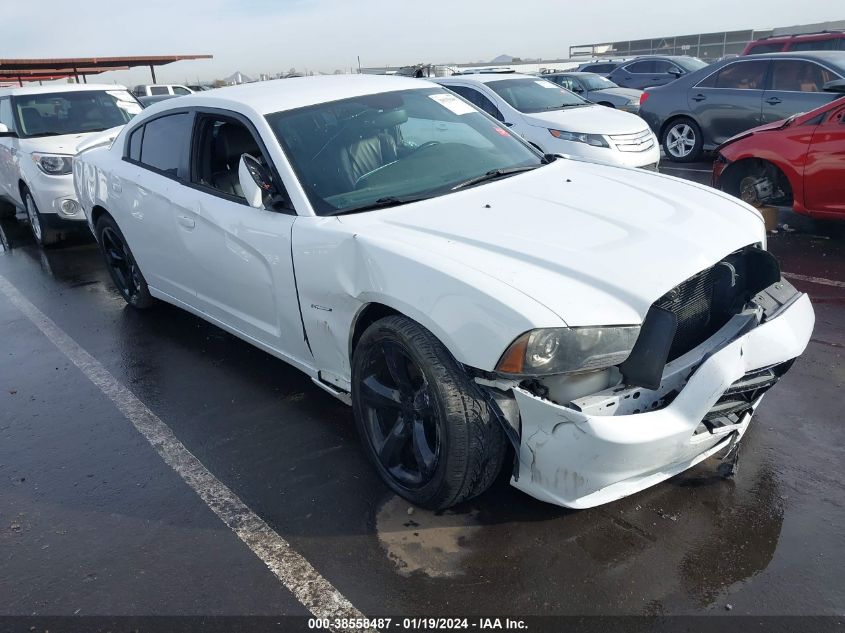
{"points": [[237, 77], [502, 59]]}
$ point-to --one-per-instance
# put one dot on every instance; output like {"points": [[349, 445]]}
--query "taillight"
{"points": [[643, 98]]}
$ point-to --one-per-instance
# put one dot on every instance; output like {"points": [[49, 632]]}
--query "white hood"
{"points": [[70, 144], [594, 119], [596, 245]]}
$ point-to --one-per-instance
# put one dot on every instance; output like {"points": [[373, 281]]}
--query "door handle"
{"points": [[185, 221], [773, 101], [699, 97]]}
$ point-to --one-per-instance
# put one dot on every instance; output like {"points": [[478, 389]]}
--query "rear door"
{"points": [[824, 171], [8, 152], [795, 85], [729, 101], [156, 166]]}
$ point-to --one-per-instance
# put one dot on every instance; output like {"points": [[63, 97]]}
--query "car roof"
{"points": [[574, 73], [837, 57], [34, 90], [276, 95], [483, 78]]}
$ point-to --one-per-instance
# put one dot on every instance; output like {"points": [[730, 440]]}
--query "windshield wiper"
{"points": [[381, 203], [494, 174]]}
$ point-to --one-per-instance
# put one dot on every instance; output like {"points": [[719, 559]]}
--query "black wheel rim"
{"points": [[121, 264], [399, 415]]}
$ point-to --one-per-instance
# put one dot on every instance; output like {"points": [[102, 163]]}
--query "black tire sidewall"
{"points": [[441, 372], [695, 154]]}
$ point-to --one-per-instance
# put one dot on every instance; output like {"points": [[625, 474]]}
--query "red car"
{"points": [[797, 162]]}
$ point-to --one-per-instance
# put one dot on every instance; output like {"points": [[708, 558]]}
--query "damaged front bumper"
{"points": [[600, 448]]}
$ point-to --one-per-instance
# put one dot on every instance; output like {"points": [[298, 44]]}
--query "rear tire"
{"points": [[121, 264], [423, 423], [682, 141]]}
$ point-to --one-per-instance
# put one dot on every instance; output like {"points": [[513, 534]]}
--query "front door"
{"points": [[8, 153], [795, 86], [824, 172], [240, 256]]}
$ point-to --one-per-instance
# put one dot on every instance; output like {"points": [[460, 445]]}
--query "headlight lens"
{"points": [[596, 140], [568, 350], [54, 164]]}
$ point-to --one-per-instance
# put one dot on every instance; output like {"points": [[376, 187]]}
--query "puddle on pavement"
{"points": [[434, 544]]}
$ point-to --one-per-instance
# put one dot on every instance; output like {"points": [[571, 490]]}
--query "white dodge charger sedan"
{"points": [[475, 302]]}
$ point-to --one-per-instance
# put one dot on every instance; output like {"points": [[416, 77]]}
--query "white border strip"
{"points": [[816, 280], [316, 593]]}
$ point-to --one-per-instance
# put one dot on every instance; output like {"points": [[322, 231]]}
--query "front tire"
{"points": [[423, 423], [43, 234], [121, 264], [683, 141]]}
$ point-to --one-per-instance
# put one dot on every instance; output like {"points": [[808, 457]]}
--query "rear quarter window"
{"points": [[773, 47]]}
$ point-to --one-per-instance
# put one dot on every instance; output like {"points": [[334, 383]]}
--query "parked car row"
{"points": [[701, 110]]}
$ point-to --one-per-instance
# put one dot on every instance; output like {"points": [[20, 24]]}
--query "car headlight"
{"points": [[634, 102], [53, 164], [596, 140], [568, 350]]}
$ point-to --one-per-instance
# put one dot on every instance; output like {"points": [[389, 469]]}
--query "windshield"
{"points": [[691, 63], [596, 82], [535, 95], [393, 147], [51, 114]]}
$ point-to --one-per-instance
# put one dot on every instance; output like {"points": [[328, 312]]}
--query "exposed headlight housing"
{"points": [[550, 351], [53, 164], [596, 140]]}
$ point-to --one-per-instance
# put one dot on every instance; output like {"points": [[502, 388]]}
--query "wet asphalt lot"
{"points": [[92, 521]]}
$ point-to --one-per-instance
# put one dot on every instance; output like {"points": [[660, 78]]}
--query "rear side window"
{"points": [[814, 45], [799, 76], [165, 143], [643, 67], [179, 90], [757, 49], [599, 68], [478, 100], [135, 144], [158, 90], [6, 116]]}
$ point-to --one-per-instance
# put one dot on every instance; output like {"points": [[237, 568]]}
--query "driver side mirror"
{"points": [[577, 89], [255, 181], [5, 131], [837, 85], [675, 72]]}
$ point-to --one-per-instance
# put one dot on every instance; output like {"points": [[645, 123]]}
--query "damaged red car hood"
{"points": [[597, 245]]}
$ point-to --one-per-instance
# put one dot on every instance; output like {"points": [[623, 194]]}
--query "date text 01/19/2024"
{"points": [[416, 624]]}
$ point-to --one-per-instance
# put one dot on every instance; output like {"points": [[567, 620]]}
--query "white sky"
{"points": [[271, 36]]}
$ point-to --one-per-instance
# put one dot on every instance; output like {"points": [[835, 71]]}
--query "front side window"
{"points": [[814, 45], [159, 90], [596, 82], [165, 142], [54, 114], [219, 144], [535, 95], [799, 76], [407, 144], [179, 90], [740, 76], [691, 64]]}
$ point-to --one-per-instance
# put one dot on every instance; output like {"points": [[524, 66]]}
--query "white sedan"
{"points": [[557, 121], [461, 292]]}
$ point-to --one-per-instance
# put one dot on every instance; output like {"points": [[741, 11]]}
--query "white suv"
{"points": [[557, 121], [155, 90], [41, 129]]}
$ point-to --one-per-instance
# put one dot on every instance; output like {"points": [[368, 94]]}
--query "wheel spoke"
{"points": [[390, 449], [378, 394], [423, 453], [397, 365]]}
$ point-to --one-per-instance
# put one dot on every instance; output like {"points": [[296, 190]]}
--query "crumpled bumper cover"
{"points": [[573, 459]]}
